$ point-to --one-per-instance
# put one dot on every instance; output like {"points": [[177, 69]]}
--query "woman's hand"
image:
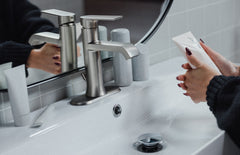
{"points": [[226, 67], [46, 58], [195, 81]]}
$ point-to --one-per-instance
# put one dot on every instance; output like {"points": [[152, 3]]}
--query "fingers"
{"points": [[58, 49], [183, 86], [55, 68], [186, 94], [211, 53], [192, 59], [56, 57], [51, 48], [195, 99], [56, 71], [181, 78], [57, 60], [53, 45], [78, 51], [57, 63], [186, 66], [207, 49]]}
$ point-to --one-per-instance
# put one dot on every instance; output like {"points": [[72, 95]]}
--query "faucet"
{"points": [[92, 58], [66, 38]]}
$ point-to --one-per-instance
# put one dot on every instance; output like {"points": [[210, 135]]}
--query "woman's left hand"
{"points": [[195, 81]]}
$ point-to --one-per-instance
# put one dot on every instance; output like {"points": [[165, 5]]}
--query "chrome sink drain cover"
{"points": [[150, 143]]}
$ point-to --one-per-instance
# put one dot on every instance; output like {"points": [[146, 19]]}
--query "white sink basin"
{"points": [[155, 106], [220, 145]]}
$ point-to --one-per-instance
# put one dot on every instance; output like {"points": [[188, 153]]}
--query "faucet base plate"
{"points": [[82, 100]]}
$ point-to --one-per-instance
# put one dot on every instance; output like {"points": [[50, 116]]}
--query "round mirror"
{"points": [[141, 17]]}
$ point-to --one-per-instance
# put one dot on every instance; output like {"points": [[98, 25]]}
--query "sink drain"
{"points": [[117, 110], [149, 143]]}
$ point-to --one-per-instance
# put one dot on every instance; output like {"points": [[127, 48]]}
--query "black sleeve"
{"points": [[223, 97], [16, 53], [28, 20], [23, 20]]}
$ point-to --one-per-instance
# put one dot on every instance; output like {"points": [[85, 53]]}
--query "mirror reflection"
{"points": [[44, 60]]}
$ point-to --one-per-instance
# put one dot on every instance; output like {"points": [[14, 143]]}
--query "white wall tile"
{"points": [[228, 42], [178, 6], [236, 34], [178, 24], [215, 21], [175, 52], [5, 99], [34, 92], [158, 57], [6, 117], [53, 85], [162, 38], [214, 41], [211, 17], [192, 4], [35, 104], [52, 97], [227, 17], [237, 13], [196, 22]]}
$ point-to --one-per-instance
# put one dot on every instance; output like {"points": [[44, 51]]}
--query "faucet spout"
{"points": [[128, 50], [42, 37]]}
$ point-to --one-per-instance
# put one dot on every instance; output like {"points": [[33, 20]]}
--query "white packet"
{"points": [[188, 40]]}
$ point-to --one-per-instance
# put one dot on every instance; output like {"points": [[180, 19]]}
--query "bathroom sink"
{"points": [[154, 106], [220, 145]]}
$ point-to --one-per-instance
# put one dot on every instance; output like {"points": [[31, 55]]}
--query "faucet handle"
{"points": [[63, 16], [91, 21]]}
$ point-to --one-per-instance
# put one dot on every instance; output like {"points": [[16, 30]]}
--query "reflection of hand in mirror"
{"points": [[46, 58], [78, 51]]}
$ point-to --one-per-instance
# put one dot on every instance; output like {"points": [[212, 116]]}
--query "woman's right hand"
{"points": [[225, 66], [46, 58]]}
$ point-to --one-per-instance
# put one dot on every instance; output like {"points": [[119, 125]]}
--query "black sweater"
{"points": [[19, 19], [223, 96]]}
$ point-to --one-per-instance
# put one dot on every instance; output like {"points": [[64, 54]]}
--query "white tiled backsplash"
{"points": [[50, 92], [215, 21]]}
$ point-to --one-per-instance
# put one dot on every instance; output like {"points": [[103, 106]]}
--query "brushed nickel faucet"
{"points": [[92, 58], [66, 38]]}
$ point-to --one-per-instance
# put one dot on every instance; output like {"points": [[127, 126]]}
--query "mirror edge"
{"points": [[157, 23]]}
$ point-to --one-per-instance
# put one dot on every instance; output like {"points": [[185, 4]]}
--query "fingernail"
{"points": [[58, 64], [177, 78], [202, 41], [185, 94], [188, 51], [55, 57], [179, 85]]}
